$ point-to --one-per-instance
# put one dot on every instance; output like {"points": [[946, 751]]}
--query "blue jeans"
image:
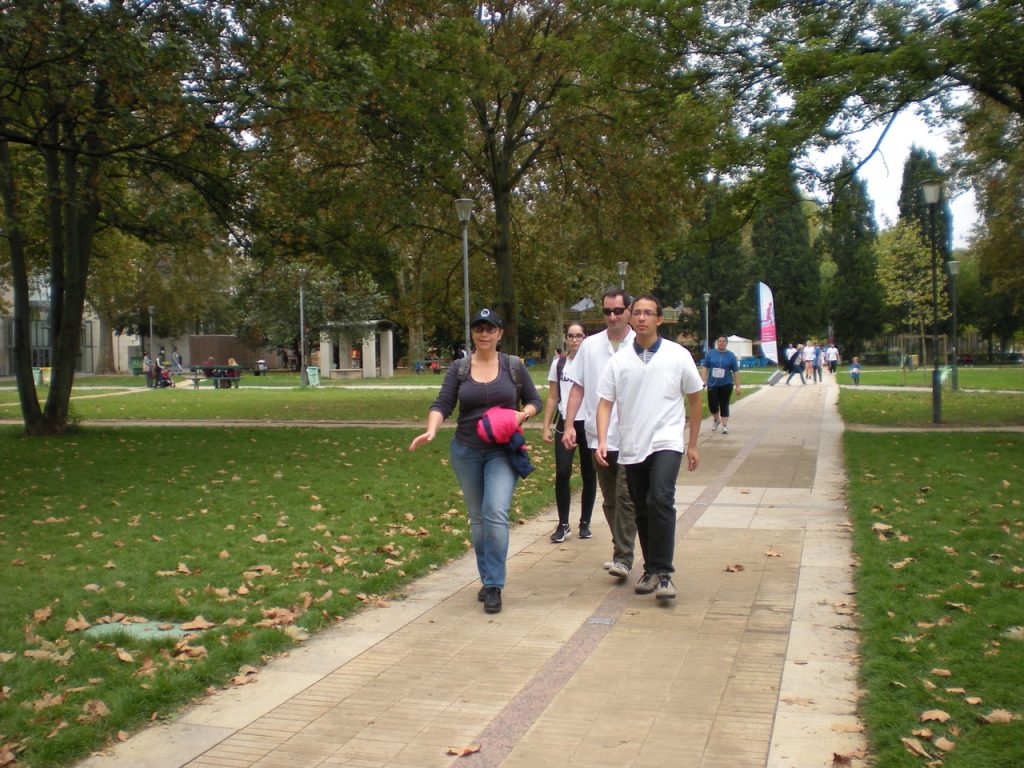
{"points": [[652, 484], [488, 481]]}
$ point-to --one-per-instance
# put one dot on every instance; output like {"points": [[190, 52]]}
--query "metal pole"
{"points": [[953, 268], [302, 331], [465, 283], [936, 381], [707, 332]]}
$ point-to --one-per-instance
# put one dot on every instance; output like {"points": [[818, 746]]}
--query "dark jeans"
{"points": [[718, 399], [563, 474], [652, 485]]}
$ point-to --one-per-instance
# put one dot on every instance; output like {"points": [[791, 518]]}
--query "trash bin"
{"points": [[44, 376], [914, 362], [37, 376], [313, 376]]}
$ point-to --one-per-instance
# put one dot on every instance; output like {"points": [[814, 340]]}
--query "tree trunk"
{"points": [[503, 266], [105, 363]]}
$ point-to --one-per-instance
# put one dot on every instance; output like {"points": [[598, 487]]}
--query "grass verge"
{"points": [[939, 532], [895, 408], [259, 535]]}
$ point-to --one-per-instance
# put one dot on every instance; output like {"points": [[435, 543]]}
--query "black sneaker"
{"points": [[585, 531], [562, 532], [492, 600]]}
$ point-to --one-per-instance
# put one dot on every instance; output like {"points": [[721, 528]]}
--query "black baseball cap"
{"points": [[488, 316]]}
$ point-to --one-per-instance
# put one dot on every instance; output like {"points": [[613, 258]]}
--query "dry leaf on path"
{"points": [[735, 568], [463, 751]]}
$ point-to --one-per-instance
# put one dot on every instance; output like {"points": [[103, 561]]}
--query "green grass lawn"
{"points": [[912, 408], [264, 534], [939, 533], [1007, 377]]}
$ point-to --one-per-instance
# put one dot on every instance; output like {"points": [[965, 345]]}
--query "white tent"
{"points": [[741, 347]]}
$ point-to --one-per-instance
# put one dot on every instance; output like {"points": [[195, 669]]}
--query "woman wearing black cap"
{"points": [[483, 469]]}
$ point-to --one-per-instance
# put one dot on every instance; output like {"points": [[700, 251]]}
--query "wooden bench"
{"points": [[222, 376]]}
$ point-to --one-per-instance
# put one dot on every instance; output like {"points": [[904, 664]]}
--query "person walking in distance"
{"points": [[796, 364], [653, 382], [721, 373], [488, 379], [584, 371], [559, 386], [832, 358]]}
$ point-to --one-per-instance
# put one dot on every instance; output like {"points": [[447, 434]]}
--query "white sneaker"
{"points": [[725, 430], [714, 426], [619, 570]]}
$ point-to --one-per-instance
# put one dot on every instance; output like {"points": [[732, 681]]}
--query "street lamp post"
{"points": [[623, 266], [707, 341], [464, 209], [303, 376], [932, 193], [954, 270], [152, 309]]}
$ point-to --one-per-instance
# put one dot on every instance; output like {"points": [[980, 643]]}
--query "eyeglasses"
{"points": [[609, 310], [643, 313], [575, 335]]}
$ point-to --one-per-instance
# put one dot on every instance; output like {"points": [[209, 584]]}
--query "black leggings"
{"points": [[563, 474], [718, 399]]}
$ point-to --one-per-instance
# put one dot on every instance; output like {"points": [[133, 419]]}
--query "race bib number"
{"points": [[718, 373]]}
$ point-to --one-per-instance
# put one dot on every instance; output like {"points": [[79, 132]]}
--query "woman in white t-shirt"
{"points": [[554, 417]]}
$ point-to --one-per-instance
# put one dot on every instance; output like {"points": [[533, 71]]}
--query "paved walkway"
{"points": [[754, 663]]}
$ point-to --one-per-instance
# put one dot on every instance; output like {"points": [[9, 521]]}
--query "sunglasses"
{"points": [[609, 310]]}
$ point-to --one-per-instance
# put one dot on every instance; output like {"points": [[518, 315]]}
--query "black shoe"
{"points": [[481, 594], [492, 600], [585, 531], [562, 532]]}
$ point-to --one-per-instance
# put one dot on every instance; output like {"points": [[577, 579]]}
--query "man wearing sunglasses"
{"points": [[585, 372]]}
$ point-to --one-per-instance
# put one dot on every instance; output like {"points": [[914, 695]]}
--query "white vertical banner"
{"points": [[766, 315]]}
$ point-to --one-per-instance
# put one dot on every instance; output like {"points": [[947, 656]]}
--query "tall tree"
{"points": [[785, 261], [854, 296], [922, 166], [904, 270], [97, 93]]}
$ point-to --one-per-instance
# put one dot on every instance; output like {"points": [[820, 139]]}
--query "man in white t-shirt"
{"points": [[585, 371], [646, 381]]}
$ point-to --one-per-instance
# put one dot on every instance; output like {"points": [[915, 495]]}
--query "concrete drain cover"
{"points": [[600, 620], [144, 630]]}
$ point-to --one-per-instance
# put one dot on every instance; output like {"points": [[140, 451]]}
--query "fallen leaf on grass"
{"points": [[975, 700], [76, 624], [915, 747], [124, 656], [938, 672], [93, 710], [198, 623], [463, 751], [934, 714], [923, 733], [902, 563], [944, 744], [997, 716]]}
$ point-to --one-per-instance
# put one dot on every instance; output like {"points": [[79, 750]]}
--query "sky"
{"points": [[883, 173]]}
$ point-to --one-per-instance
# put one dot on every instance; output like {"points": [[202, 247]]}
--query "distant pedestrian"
{"points": [[816, 363], [652, 382], [559, 387], [855, 371], [485, 470], [721, 373], [795, 364], [585, 372], [832, 358], [148, 370], [176, 361]]}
